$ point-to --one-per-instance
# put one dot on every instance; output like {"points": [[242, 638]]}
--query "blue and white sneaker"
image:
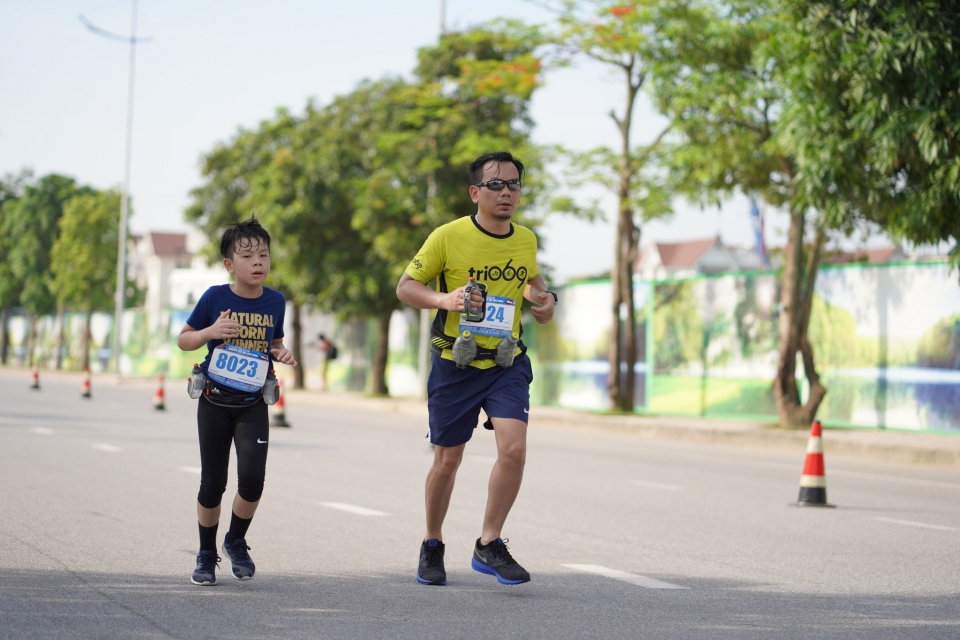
{"points": [[430, 570], [494, 559], [205, 573], [241, 565]]}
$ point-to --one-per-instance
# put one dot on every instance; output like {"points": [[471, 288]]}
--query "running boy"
{"points": [[242, 325]]}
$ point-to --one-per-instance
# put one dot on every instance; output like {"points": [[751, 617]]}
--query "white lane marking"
{"points": [[911, 523], [656, 485], [42, 431], [316, 610], [109, 448], [868, 476], [484, 459], [195, 470], [632, 578], [352, 508]]}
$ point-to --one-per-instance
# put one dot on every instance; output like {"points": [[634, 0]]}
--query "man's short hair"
{"points": [[243, 233], [476, 167]]}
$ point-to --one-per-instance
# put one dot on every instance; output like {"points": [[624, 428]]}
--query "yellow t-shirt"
{"points": [[505, 264]]}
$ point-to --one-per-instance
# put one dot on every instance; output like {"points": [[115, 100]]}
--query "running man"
{"points": [[242, 325], [501, 257]]}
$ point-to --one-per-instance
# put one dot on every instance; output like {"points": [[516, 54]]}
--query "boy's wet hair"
{"points": [[243, 235], [476, 167]]}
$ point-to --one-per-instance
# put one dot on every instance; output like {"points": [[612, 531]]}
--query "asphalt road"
{"points": [[625, 537]]}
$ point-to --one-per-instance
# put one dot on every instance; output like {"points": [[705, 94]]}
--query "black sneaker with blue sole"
{"points": [[431, 571], [205, 573], [494, 559], [241, 565]]}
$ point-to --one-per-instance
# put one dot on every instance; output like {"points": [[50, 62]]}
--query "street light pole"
{"points": [[125, 195]]}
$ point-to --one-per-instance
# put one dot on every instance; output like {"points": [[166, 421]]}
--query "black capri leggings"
{"points": [[248, 428]]}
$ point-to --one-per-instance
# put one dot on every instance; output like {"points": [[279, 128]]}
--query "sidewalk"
{"points": [[874, 445]]}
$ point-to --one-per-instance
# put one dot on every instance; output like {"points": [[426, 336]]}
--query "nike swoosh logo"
{"points": [[526, 411], [259, 441]]}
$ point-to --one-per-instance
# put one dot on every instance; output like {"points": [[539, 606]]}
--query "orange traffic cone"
{"points": [[35, 379], [813, 481], [158, 396], [279, 419], [85, 385]]}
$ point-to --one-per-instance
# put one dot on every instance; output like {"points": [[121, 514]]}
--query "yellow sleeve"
{"points": [[429, 261]]}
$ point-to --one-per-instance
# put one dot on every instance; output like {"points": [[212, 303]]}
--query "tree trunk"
{"points": [[85, 341], [623, 339], [616, 331], [628, 388], [61, 312], [796, 299], [297, 345], [4, 335], [31, 340], [381, 355]]}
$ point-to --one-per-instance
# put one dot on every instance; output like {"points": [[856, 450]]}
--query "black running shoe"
{"points": [[241, 565], [205, 573], [431, 569], [494, 559]]}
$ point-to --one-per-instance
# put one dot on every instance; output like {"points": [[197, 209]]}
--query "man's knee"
{"points": [[513, 453], [446, 460]]}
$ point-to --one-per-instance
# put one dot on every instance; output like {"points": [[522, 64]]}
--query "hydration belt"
{"points": [[215, 396], [440, 341]]}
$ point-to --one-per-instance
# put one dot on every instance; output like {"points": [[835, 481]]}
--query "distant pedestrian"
{"points": [[241, 324], [478, 361], [328, 353]]}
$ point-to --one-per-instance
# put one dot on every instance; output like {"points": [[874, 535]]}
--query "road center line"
{"points": [[352, 508], [632, 578], [109, 448], [911, 523], [195, 470], [42, 431], [656, 485]]}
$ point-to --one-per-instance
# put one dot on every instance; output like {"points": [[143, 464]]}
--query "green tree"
{"points": [[31, 227], [720, 79], [11, 188], [82, 263], [874, 126], [622, 35]]}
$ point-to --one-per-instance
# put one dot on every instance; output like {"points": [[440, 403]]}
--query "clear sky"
{"points": [[215, 65]]}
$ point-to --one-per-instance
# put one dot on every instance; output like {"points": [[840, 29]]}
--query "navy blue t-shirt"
{"points": [[261, 319]]}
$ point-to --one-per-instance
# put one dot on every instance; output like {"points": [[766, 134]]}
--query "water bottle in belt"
{"points": [[464, 349], [196, 383], [271, 391], [507, 349]]}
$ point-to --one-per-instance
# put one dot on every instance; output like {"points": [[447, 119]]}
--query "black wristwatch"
{"points": [[554, 294]]}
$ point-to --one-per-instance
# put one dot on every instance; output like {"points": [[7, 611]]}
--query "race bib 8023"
{"points": [[238, 368]]}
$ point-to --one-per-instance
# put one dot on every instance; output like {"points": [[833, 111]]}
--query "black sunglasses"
{"points": [[498, 185]]}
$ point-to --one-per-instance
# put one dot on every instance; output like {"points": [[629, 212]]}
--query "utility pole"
{"points": [[125, 196]]}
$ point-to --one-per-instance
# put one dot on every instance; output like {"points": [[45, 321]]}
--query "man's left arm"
{"points": [[537, 293]]}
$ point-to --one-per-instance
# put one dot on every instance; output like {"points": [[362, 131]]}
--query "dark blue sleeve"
{"points": [[202, 314], [278, 330]]}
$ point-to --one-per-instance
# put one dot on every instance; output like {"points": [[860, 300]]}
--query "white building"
{"points": [[187, 285], [155, 257]]}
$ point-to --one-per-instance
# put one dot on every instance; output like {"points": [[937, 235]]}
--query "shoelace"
{"points": [[501, 552], [207, 561], [240, 548], [433, 557]]}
